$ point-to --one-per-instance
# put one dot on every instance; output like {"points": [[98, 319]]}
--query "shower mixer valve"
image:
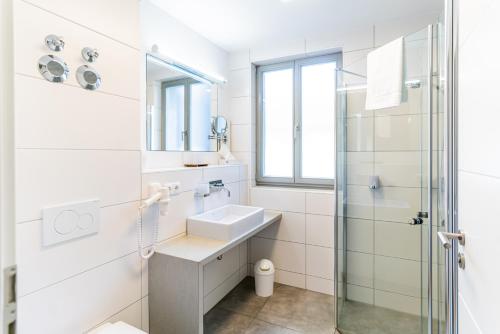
{"points": [[374, 182]]}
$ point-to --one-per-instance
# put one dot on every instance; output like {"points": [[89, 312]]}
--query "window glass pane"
{"points": [[154, 126], [318, 120], [277, 94], [199, 118], [174, 118]]}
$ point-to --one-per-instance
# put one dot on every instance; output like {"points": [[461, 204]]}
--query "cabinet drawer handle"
{"points": [[219, 257]]}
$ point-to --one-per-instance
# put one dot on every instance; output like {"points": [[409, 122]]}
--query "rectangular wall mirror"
{"points": [[181, 106]]}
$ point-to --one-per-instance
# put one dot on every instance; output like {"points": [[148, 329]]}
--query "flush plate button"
{"points": [[66, 222], [70, 221]]}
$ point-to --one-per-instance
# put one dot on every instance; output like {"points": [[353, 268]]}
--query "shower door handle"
{"points": [[416, 221], [419, 220], [447, 237]]}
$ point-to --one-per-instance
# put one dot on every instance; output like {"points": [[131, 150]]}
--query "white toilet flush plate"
{"points": [[69, 221]]}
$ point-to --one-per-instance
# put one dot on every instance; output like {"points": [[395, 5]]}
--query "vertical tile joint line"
{"points": [[373, 36]]}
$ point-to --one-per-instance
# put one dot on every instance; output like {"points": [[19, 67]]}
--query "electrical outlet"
{"points": [[173, 187]]}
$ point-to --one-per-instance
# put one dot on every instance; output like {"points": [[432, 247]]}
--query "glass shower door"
{"points": [[383, 241]]}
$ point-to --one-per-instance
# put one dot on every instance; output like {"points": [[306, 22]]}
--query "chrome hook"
{"points": [[90, 55], [54, 42]]}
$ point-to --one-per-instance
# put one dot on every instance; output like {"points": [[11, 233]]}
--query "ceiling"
{"points": [[239, 24]]}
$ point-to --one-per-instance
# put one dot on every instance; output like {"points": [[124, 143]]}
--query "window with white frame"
{"points": [[296, 121]]}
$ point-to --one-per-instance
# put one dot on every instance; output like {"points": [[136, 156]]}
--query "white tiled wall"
{"points": [[479, 165], [72, 145], [301, 245]]}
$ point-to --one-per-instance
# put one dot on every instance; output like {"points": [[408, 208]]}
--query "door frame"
{"points": [[7, 215], [451, 160]]}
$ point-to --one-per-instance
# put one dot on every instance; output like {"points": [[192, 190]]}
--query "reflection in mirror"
{"points": [[180, 108], [219, 126], [219, 130]]}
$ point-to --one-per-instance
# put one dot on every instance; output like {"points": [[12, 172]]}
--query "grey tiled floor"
{"points": [[290, 310], [359, 318]]}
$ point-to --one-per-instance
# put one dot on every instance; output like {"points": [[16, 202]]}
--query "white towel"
{"points": [[385, 76]]}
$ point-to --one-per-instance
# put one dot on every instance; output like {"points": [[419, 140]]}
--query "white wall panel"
{"points": [[179, 42], [228, 174], [239, 60], [319, 261], [292, 227], [97, 14], [277, 50], [98, 120], [79, 303], [40, 266], [278, 199], [320, 203], [118, 64], [288, 256], [320, 230], [51, 177], [188, 179]]}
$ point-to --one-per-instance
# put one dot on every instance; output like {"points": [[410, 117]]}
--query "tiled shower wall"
{"points": [[384, 252], [288, 238], [386, 257]]}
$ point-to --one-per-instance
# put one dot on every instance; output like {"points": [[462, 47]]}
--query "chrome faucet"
{"points": [[217, 186]]}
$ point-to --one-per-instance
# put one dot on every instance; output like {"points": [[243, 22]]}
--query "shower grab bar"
{"points": [[447, 237]]}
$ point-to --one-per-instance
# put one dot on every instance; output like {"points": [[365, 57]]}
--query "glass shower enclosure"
{"points": [[389, 198]]}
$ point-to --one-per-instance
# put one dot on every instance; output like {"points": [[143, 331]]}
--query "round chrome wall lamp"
{"points": [[53, 68], [88, 77]]}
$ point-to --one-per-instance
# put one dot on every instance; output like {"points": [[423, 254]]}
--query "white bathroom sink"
{"points": [[225, 223]]}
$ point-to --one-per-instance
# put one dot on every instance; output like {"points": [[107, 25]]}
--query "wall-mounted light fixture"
{"points": [[88, 77]]}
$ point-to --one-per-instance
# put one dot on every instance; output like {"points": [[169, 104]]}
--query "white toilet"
{"points": [[116, 328]]}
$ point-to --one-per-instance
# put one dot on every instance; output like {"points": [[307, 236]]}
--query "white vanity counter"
{"points": [[189, 274], [203, 250]]}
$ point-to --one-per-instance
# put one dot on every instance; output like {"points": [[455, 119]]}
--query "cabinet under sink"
{"points": [[188, 275]]}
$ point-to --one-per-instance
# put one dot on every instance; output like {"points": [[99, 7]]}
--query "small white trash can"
{"points": [[264, 278]]}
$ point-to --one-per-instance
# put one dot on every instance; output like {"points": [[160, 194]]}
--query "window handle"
{"points": [[296, 129], [184, 134]]}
